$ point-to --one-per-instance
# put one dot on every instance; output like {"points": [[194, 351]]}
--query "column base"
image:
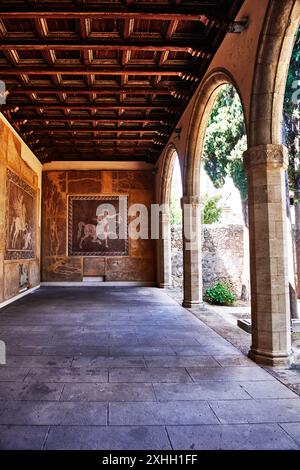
{"points": [[268, 359], [192, 303], [164, 285]]}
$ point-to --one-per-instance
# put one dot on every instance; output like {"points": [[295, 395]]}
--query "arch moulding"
{"points": [[205, 100], [272, 64], [167, 173]]}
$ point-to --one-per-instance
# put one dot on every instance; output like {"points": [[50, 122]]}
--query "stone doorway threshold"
{"points": [[223, 320]]}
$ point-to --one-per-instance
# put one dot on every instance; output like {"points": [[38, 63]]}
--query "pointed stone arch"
{"points": [[164, 251], [272, 64], [167, 173], [204, 103], [205, 100]]}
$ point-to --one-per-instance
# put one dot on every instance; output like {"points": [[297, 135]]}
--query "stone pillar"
{"points": [[165, 262], [192, 265], [271, 337]]}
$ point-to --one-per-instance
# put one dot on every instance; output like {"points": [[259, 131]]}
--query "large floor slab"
{"points": [[128, 368]]}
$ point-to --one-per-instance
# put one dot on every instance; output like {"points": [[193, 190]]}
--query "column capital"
{"points": [[164, 217], [193, 200], [269, 156], [164, 210]]}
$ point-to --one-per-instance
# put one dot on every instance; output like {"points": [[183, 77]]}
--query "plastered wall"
{"points": [[19, 265], [57, 265]]}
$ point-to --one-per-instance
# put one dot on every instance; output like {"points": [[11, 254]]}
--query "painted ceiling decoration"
{"points": [[104, 80]]}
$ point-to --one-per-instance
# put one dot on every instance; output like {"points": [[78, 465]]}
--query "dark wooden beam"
{"points": [[94, 149], [108, 106], [171, 46], [78, 130], [24, 119], [200, 14], [100, 91], [108, 150], [171, 28], [87, 140], [66, 149], [183, 71]]}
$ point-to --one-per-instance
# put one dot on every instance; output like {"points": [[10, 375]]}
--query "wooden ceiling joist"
{"points": [[96, 139], [108, 106], [101, 91], [176, 46], [204, 14], [109, 119], [80, 130], [183, 72]]}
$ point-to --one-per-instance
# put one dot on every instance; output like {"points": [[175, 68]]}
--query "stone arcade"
{"points": [[97, 99]]}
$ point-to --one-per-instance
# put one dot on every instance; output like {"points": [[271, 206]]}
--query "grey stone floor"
{"points": [[112, 368]]}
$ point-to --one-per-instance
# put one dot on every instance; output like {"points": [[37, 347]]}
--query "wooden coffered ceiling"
{"points": [[105, 79]]}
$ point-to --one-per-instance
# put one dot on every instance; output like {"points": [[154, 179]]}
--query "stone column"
{"points": [[192, 266], [165, 262], [271, 337]]}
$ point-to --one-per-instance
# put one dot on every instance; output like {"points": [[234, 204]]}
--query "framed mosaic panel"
{"points": [[97, 225], [20, 218]]}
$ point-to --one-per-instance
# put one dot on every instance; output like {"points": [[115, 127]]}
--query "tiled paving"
{"points": [[112, 368]]}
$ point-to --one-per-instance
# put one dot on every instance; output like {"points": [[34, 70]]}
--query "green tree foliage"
{"points": [[291, 111], [212, 210], [236, 168], [291, 137], [175, 211], [226, 141]]}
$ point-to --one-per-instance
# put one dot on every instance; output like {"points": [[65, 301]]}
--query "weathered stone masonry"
{"points": [[222, 255]]}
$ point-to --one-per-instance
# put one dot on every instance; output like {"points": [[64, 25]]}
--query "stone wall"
{"points": [[57, 264], [19, 218], [177, 256], [222, 255]]}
